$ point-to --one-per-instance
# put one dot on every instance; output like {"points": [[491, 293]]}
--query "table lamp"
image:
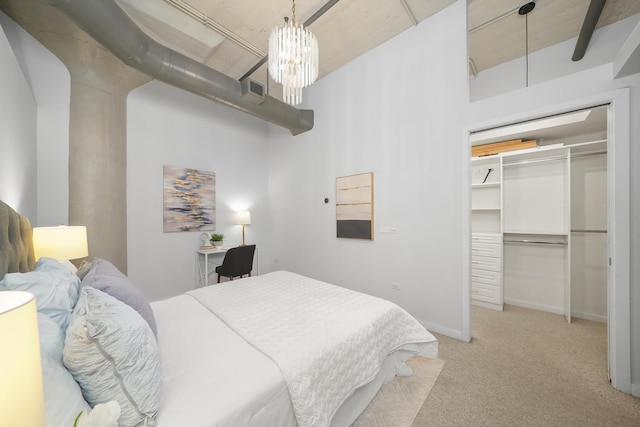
{"points": [[243, 218], [62, 243], [21, 395]]}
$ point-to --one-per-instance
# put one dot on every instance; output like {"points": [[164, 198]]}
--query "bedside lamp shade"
{"points": [[62, 243], [243, 218], [21, 395]]}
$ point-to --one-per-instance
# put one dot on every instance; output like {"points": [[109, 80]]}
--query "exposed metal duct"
{"points": [[588, 27], [111, 27]]}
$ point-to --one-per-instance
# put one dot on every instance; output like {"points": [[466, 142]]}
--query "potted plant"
{"points": [[216, 239]]}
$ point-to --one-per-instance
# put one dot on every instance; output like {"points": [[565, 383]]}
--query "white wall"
{"points": [[49, 83], [167, 126], [395, 111], [18, 119]]}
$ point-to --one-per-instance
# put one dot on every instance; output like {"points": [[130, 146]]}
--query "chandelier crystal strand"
{"points": [[293, 58]]}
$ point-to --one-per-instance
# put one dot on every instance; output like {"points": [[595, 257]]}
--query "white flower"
{"points": [[102, 415]]}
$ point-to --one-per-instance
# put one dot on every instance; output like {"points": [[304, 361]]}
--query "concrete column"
{"points": [[97, 130]]}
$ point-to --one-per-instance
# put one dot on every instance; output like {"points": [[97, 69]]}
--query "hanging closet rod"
{"points": [[588, 231], [537, 242], [583, 144], [595, 153], [522, 162]]}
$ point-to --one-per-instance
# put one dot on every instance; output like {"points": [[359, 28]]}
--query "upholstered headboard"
{"points": [[16, 243]]}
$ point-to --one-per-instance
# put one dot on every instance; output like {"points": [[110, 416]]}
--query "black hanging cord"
{"points": [[526, 48], [524, 10]]}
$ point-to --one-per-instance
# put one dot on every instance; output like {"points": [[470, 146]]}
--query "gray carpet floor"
{"points": [[527, 368]]}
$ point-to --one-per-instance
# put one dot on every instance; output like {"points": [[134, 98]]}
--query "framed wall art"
{"points": [[189, 199], [354, 206]]}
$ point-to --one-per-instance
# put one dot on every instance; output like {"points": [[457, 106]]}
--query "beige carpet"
{"points": [[527, 368], [398, 402]]}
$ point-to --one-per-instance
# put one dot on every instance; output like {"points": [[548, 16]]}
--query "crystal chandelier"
{"points": [[293, 58]]}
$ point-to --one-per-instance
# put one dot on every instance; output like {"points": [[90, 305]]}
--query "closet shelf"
{"points": [[485, 184]]}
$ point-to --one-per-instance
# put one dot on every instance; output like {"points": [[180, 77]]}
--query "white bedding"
{"points": [[326, 340], [211, 376]]}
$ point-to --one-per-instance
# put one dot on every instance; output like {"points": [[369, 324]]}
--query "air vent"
{"points": [[252, 91]]}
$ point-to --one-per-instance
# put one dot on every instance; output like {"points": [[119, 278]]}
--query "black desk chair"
{"points": [[237, 262]]}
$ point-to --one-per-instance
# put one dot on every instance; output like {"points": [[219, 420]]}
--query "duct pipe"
{"points": [[588, 27], [107, 23]]}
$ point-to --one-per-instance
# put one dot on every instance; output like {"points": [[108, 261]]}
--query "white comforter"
{"points": [[327, 340]]}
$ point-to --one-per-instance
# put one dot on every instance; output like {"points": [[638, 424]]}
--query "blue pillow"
{"points": [[54, 286], [63, 399], [105, 277]]}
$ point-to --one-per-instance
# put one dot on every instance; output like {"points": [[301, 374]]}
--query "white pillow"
{"points": [[113, 355], [54, 286]]}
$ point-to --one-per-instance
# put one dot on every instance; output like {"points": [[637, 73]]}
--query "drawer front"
{"points": [[486, 238], [486, 276], [486, 263], [493, 250], [486, 293]]}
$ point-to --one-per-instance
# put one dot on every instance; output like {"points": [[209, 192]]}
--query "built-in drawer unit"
{"points": [[486, 269], [486, 238], [486, 249], [486, 263], [486, 276], [487, 293]]}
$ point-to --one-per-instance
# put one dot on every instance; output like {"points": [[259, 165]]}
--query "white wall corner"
{"points": [[627, 60]]}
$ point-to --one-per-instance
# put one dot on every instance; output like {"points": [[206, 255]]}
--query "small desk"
{"points": [[202, 275]]}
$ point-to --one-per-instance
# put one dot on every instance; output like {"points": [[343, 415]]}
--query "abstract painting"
{"points": [[189, 200], [354, 206]]}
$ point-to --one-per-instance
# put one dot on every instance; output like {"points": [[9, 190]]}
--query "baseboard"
{"points": [[491, 306], [589, 316], [539, 307], [438, 329]]}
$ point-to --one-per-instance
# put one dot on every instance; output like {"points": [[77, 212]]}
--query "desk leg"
{"points": [[206, 269], [201, 280]]}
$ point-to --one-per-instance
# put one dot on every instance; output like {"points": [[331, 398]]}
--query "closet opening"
{"points": [[539, 215]]}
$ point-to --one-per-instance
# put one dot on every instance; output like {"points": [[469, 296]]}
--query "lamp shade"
{"points": [[61, 243], [243, 218], [21, 396]]}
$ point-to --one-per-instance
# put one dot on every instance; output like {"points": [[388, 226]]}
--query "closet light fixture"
{"points": [[546, 123], [293, 58]]}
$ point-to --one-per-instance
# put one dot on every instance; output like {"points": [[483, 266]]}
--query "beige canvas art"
{"points": [[354, 206]]}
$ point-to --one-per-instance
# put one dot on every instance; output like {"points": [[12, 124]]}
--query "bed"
{"points": [[278, 349]]}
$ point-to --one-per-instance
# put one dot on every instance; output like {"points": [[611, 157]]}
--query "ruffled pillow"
{"points": [[113, 355]]}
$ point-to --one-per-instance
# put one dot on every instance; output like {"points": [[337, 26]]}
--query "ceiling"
{"points": [[231, 36], [235, 35], [497, 33]]}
